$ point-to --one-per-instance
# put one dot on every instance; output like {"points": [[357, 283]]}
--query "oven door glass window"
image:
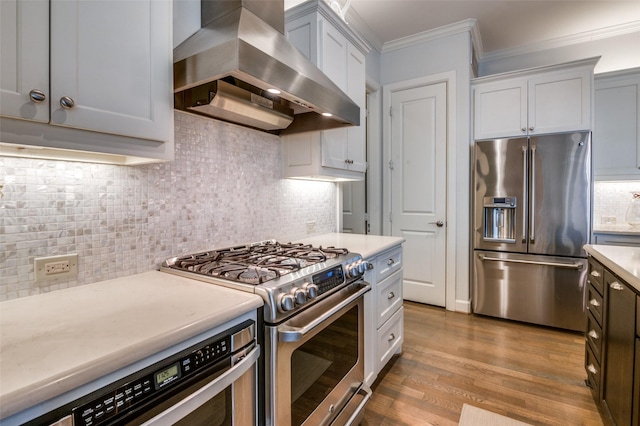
{"points": [[321, 363]]}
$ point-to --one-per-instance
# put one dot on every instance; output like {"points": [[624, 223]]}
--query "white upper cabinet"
{"points": [[88, 76], [616, 132], [24, 68], [317, 31], [539, 101]]}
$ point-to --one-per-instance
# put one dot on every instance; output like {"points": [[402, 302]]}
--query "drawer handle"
{"points": [[390, 262], [594, 334], [391, 338], [391, 295], [592, 369], [594, 302], [595, 274], [616, 286]]}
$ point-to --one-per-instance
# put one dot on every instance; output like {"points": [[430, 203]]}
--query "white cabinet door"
{"points": [[616, 133], [560, 102], [345, 148], [110, 60], [533, 102], [333, 60], [357, 91], [500, 109], [24, 33]]}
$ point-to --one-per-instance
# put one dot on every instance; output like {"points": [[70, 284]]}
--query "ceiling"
{"points": [[504, 24]]}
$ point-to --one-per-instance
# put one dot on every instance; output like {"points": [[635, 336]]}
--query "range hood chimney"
{"points": [[229, 68]]}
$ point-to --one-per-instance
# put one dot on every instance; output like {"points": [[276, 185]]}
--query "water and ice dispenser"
{"points": [[500, 219]]}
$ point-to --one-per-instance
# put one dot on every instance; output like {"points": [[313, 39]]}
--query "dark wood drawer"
{"points": [[593, 373], [594, 336], [596, 275], [594, 303]]}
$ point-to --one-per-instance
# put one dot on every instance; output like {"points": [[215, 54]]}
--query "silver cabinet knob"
{"points": [[531, 129], [390, 262], [616, 286], [592, 369], [391, 338], [37, 96], [66, 102], [439, 223], [524, 129], [593, 334], [391, 295], [595, 273]]}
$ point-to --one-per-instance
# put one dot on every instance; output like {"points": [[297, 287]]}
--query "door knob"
{"points": [[439, 223]]}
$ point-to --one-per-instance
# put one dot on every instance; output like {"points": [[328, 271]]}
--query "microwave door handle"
{"points": [[195, 400], [532, 196], [294, 334], [525, 207]]}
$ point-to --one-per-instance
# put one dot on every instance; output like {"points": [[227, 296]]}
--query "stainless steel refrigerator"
{"points": [[532, 217]]}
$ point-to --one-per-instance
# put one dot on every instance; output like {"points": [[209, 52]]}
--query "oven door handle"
{"points": [[195, 400], [294, 334]]}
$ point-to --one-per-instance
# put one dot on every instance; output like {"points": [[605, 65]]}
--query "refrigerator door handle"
{"points": [[532, 196], [575, 265], [525, 207]]}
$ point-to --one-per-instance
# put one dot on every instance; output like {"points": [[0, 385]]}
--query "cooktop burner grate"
{"points": [[256, 263]]}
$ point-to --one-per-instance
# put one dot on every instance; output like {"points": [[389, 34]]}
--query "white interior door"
{"points": [[354, 219], [418, 188]]}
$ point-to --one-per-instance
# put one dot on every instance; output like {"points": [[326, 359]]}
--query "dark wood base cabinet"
{"points": [[612, 356]]}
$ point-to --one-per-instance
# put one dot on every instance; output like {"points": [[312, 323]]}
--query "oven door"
{"points": [[316, 366], [228, 398]]}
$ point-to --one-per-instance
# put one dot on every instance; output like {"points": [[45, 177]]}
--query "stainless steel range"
{"points": [[313, 324]]}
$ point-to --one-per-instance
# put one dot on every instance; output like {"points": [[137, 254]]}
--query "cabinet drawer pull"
{"points": [[390, 262], [594, 302], [37, 96], [616, 286], [391, 338], [595, 274], [592, 369], [594, 334], [391, 295], [524, 129]]}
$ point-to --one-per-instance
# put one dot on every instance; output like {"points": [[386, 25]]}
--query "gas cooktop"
{"points": [[255, 263]]}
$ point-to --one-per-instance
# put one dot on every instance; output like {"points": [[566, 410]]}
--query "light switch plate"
{"points": [[56, 267]]}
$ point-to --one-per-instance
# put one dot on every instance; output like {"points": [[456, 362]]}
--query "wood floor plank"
{"points": [[526, 372]]}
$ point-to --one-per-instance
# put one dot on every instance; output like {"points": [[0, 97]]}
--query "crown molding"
{"points": [[456, 28], [558, 42]]}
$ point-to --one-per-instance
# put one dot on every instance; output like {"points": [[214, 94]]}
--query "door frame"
{"points": [[451, 200]]}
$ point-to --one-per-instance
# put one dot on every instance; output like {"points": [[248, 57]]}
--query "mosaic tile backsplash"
{"points": [[611, 199], [223, 188]]}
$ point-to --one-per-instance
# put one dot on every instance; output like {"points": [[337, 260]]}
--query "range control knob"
{"points": [[299, 295], [311, 289], [286, 302]]}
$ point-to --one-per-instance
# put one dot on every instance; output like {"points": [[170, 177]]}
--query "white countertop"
{"points": [[623, 261], [54, 342], [366, 245], [622, 229]]}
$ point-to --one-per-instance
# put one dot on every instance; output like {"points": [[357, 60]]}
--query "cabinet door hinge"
{"points": [[390, 164], [391, 111], [390, 217]]}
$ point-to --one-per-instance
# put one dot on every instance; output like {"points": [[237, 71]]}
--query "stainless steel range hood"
{"points": [[239, 54]]}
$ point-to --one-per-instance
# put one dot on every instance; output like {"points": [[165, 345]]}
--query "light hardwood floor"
{"points": [[529, 373]]}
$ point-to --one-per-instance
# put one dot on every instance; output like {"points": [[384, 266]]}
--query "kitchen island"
{"points": [[612, 350], [56, 346]]}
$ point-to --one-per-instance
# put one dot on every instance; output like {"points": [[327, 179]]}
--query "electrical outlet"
{"points": [[311, 226], [608, 220], [56, 267]]}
